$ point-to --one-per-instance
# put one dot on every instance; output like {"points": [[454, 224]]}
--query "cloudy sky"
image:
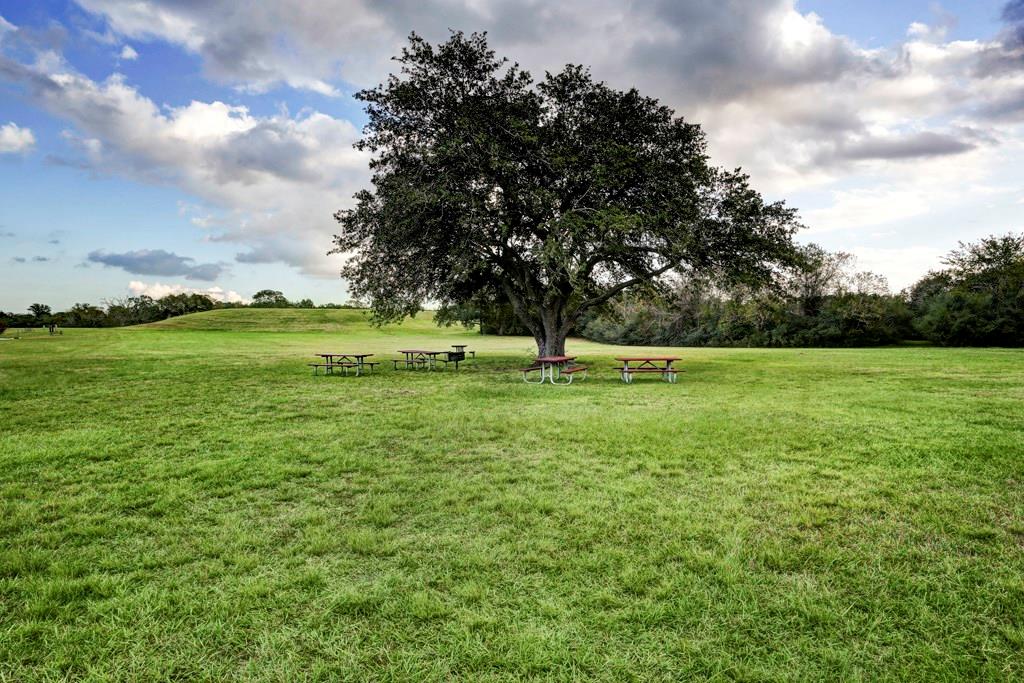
{"points": [[151, 146]]}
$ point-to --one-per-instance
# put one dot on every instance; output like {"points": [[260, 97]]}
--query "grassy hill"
{"points": [[185, 501], [288, 320]]}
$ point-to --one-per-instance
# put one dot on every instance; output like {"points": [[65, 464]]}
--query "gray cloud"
{"points": [[912, 146], [41, 259], [699, 56], [1013, 12], [700, 48], [158, 262], [794, 103], [19, 259]]}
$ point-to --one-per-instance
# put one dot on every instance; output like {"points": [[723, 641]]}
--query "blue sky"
{"points": [[155, 146]]}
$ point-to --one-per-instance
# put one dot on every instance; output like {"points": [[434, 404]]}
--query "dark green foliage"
{"points": [[553, 195], [135, 310], [979, 299], [487, 311], [41, 313], [269, 298], [816, 304], [84, 315], [140, 310]]}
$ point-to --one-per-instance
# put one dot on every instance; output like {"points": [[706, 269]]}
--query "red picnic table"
{"points": [[647, 364], [552, 367]]}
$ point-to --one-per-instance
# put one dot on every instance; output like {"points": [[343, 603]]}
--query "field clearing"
{"points": [[185, 501]]}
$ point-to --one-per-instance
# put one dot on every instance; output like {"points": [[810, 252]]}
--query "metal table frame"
{"points": [[551, 369], [358, 358], [668, 373]]}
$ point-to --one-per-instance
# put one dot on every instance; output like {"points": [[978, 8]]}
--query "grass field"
{"points": [[185, 501]]}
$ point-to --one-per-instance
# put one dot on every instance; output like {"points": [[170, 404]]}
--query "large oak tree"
{"points": [[552, 196]]}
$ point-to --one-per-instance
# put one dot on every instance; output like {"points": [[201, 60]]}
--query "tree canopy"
{"points": [[551, 196], [979, 299]]}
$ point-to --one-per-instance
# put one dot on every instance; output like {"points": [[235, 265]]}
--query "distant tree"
{"points": [[269, 298], [135, 310], [41, 313], [355, 302], [866, 282], [488, 311], [816, 274], [821, 303], [85, 315], [183, 304], [3, 326], [932, 284], [558, 195], [304, 303], [979, 299]]}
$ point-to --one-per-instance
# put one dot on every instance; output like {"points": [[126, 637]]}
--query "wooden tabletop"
{"points": [[425, 353], [349, 355], [555, 359], [643, 358]]}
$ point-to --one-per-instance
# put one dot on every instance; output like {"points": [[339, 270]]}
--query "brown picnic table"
{"points": [[661, 365], [345, 361], [418, 358], [555, 369]]}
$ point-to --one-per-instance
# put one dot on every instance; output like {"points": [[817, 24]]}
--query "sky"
{"points": [[157, 146]]}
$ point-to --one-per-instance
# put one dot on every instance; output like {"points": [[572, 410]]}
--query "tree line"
{"points": [[138, 310], [976, 299]]}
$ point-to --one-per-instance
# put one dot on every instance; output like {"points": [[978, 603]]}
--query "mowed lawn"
{"points": [[186, 502]]}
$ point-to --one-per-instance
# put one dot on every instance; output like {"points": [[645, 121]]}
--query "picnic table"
{"points": [[661, 365], [552, 368], [345, 361], [418, 358]]}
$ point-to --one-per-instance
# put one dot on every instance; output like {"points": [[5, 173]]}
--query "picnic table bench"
{"points": [[345, 361], [553, 369], [661, 365]]}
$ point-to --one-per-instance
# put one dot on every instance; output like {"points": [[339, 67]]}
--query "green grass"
{"points": [[185, 501]]}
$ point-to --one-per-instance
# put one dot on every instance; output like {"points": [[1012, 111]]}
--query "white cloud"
{"points": [[902, 266], [14, 139], [157, 290], [279, 178], [128, 53], [882, 135]]}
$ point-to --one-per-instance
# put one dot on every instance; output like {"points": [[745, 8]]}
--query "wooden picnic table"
{"points": [[356, 361], [552, 368], [415, 358], [647, 364]]}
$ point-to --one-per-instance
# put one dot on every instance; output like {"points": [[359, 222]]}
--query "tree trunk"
{"points": [[551, 346], [552, 333]]}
